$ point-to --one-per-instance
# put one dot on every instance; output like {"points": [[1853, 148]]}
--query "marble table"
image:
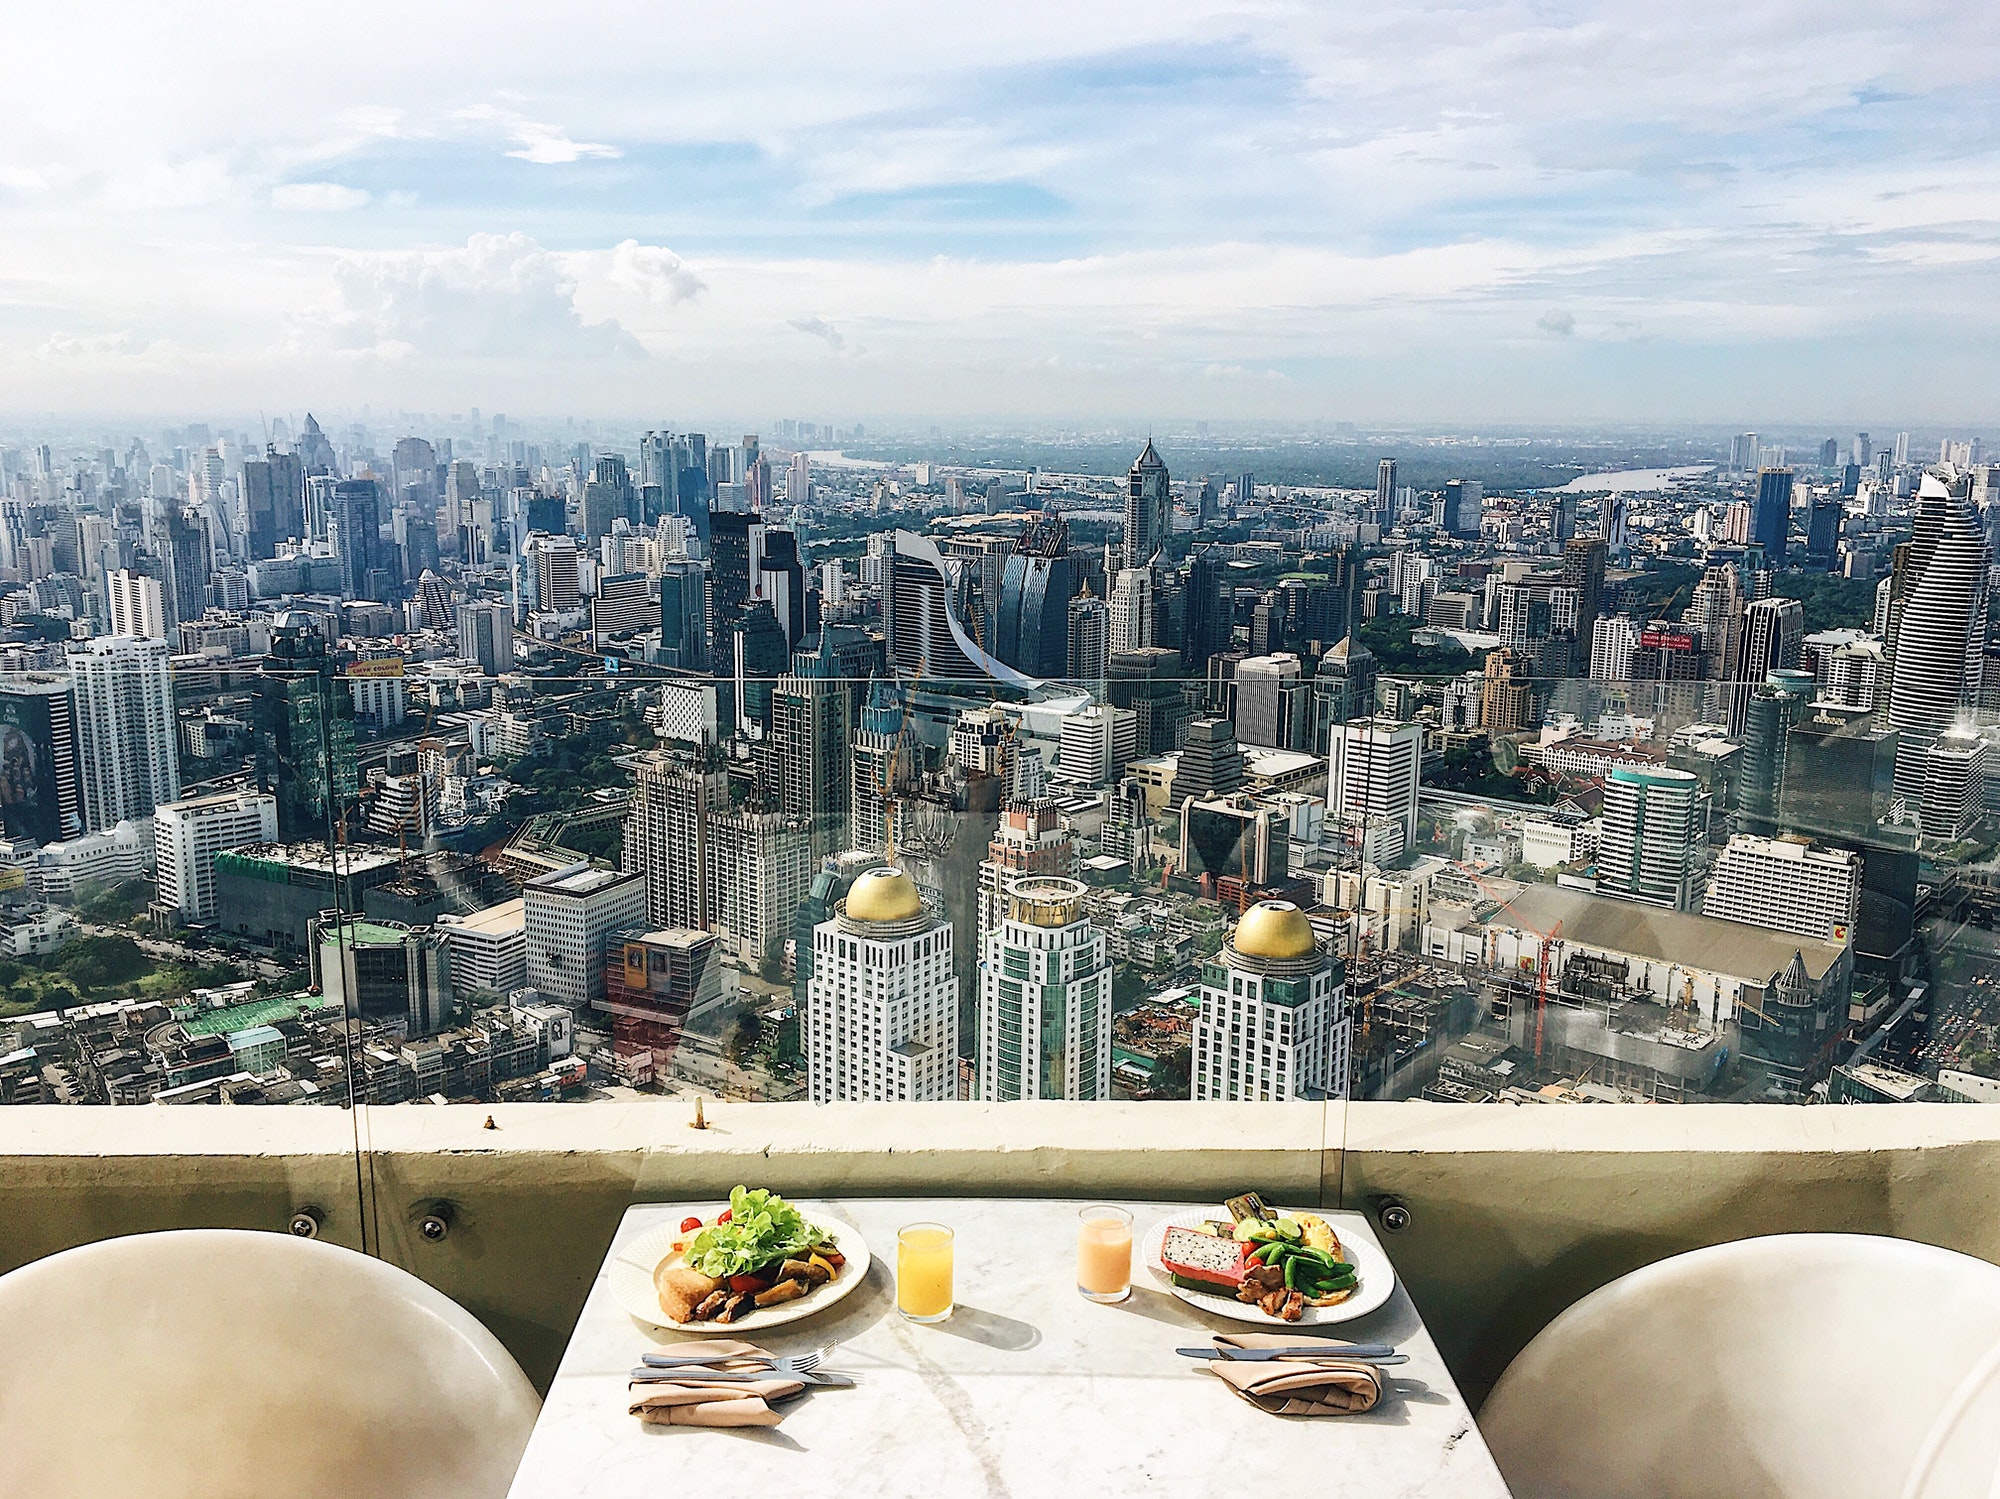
{"points": [[1028, 1390]]}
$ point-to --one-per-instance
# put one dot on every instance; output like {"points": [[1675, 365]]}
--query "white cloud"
{"points": [[318, 197], [653, 273], [545, 146], [502, 298], [820, 328], [1557, 321]]}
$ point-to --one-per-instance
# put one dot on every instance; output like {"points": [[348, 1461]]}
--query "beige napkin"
{"points": [[690, 1400], [1299, 1384]]}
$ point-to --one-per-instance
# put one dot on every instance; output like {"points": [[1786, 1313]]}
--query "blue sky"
{"points": [[1558, 212]]}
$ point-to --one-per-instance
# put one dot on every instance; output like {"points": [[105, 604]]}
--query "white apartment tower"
{"points": [[1044, 998], [126, 745], [569, 915], [881, 1018], [1274, 1023], [138, 605], [1787, 885], [188, 835], [1373, 769], [1646, 849]]}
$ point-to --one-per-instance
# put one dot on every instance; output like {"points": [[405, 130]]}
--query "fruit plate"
{"points": [[1375, 1279], [631, 1275]]}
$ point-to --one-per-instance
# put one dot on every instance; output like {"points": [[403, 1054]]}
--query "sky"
{"points": [[1574, 211]]}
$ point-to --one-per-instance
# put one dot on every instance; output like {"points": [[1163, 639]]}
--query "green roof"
{"points": [[258, 1012]]}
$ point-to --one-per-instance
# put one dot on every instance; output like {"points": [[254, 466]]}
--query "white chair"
{"points": [[226, 1364], [1801, 1366]]}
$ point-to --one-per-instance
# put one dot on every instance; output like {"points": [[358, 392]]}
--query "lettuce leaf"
{"points": [[762, 1229]]}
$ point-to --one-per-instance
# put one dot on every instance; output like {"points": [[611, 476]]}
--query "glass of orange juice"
{"points": [[1104, 1252], [923, 1272]]}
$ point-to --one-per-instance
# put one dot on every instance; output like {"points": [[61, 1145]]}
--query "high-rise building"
{"points": [[1131, 610], [1506, 702], [1273, 704], [138, 607], [1647, 847], [41, 787], [652, 982], [128, 746], [1147, 682], [1044, 997], [1787, 885], [1771, 513], [1385, 493], [570, 914], [881, 1020], [922, 620], [187, 835], [1744, 452], [1211, 763], [1089, 642], [811, 734], [1955, 771], [1461, 507], [607, 498], [1035, 591], [676, 795], [357, 536], [622, 605], [305, 734], [1768, 713], [486, 637], [1373, 773], [274, 498], [1936, 625], [684, 616], [1773, 630], [1274, 1023], [760, 864], [387, 972], [184, 548], [1583, 569], [1148, 508]]}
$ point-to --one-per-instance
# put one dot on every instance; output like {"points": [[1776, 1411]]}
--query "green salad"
{"points": [[762, 1229]]}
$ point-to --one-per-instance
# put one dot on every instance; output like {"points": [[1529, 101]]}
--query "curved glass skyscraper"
{"points": [[1937, 624]]}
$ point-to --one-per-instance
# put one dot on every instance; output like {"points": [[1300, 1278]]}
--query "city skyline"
{"points": [[1288, 214]]}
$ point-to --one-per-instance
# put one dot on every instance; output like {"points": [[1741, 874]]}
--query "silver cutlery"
{"points": [[830, 1378], [798, 1363], [1371, 1353]]}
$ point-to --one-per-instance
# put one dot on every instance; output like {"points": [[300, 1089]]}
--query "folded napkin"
{"points": [[1285, 1387], [687, 1399], [1311, 1384]]}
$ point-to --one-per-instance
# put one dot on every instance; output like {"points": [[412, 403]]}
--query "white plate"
{"points": [[631, 1276], [1374, 1277]]}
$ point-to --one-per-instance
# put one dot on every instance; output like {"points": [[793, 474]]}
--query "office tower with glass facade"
{"points": [[305, 733], [1771, 513], [1044, 997], [1936, 625], [41, 787], [1149, 508], [1647, 847]]}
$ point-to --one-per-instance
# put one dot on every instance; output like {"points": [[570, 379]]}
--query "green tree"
{"points": [[1173, 1073]]}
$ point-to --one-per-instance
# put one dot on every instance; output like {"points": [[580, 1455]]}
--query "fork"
{"points": [[798, 1363]]}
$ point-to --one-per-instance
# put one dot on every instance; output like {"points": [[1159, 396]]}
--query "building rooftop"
{"points": [[1729, 947], [576, 879], [492, 921]]}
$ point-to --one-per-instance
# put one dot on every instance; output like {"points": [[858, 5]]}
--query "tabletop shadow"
{"points": [[1158, 1306], [1009, 1334], [761, 1436]]}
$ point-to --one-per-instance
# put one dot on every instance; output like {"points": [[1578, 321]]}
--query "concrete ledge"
{"points": [[1517, 1211]]}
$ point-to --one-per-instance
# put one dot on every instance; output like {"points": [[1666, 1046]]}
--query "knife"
{"points": [[831, 1379], [1373, 1353]]}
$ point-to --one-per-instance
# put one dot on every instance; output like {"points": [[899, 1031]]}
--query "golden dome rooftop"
{"points": [[883, 895], [1275, 929]]}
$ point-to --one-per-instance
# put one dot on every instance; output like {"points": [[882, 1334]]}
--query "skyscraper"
{"points": [[305, 734], [128, 746], [138, 606], [1044, 997], [1373, 772], [1089, 642], [811, 738], [1646, 849], [41, 790], [1771, 513], [274, 498], [881, 1021], [1385, 493], [1787, 885], [357, 523], [1936, 625], [1274, 1023], [570, 915], [486, 637], [684, 616], [1148, 508], [668, 824], [1035, 590]]}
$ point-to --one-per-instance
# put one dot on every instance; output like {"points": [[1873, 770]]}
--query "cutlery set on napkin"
{"points": [[1289, 1375], [722, 1382]]}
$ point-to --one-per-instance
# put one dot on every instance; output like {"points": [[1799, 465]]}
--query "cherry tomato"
{"points": [[689, 1225], [725, 1216], [742, 1283]]}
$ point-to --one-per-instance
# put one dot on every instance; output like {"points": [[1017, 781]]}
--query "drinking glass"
{"points": [[1104, 1253], [923, 1272]]}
